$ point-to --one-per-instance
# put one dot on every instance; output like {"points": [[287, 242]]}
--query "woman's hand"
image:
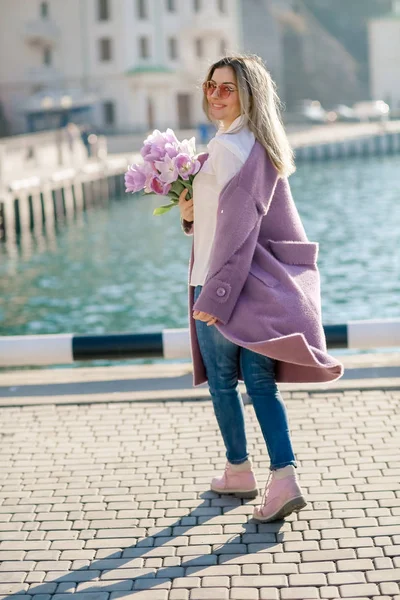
{"points": [[202, 316], [186, 207]]}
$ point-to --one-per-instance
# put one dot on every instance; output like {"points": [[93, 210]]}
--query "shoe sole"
{"points": [[248, 494], [294, 505]]}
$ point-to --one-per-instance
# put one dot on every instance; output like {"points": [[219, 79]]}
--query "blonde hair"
{"points": [[260, 107]]}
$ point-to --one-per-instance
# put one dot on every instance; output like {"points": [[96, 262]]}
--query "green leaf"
{"points": [[187, 185], [173, 195], [160, 210], [177, 187]]}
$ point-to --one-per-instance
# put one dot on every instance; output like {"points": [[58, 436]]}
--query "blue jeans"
{"points": [[221, 358]]}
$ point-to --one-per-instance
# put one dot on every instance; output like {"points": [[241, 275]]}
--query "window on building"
{"points": [[171, 6], [144, 47], [103, 9], [105, 49], [44, 10], [173, 48], [197, 5], [222, 6], [142, 11], [150, 114], [109, 113], [199, 47], [184, 105], [47, 56]]}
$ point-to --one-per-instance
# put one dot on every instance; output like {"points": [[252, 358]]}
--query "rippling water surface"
{"points": [[120, 269]]}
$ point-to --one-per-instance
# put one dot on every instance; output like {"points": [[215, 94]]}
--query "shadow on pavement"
{"points": [[113, 566]]}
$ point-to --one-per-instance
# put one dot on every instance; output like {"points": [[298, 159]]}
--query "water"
{"points": [[120, 269]]}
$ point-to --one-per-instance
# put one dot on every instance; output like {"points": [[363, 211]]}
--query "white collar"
{"points": [[233, 125]]}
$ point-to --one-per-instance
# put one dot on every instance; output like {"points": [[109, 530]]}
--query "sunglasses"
{"points": [[224, 90]]}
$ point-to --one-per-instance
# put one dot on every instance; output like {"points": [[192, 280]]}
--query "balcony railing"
{"points": [[207, 22], [42, 74], [41, 32]]}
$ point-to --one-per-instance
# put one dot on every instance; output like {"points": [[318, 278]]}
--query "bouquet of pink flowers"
{"points": [[168, 167]]}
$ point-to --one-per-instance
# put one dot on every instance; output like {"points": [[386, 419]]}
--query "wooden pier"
{"points": [[50, 177], [355, 140]]}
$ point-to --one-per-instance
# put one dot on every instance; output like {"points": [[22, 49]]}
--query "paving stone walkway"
{"points": [[111, 500]]}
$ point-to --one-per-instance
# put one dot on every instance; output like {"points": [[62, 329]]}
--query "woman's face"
{"points": [[224, 109]]}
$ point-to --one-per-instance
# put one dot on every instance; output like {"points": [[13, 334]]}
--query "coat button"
{"points": [[221, 291]]}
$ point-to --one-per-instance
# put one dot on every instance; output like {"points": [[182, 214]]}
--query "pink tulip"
{"points": [[168, 170], [135, 179], [159, 187], [151, 152], [186, 165]]}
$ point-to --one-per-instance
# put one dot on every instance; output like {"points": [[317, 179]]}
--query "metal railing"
{"points": [[171, 344]]}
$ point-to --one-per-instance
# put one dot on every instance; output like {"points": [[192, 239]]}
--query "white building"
{"points": [[138, 63], [384, 55]]}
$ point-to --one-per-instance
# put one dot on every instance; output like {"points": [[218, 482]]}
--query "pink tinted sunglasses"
{"points": [[224, 90]]}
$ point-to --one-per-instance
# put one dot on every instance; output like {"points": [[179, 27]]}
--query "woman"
{"points": [[254, 299]]}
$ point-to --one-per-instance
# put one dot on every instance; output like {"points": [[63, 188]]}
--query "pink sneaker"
{"points": [[238, 480], [282, 495]]}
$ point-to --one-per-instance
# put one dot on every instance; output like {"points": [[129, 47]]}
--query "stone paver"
{"points": [[111, 500]]}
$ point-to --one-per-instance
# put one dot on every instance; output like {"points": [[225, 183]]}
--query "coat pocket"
{"points": [[295, 253], [263, 275]]}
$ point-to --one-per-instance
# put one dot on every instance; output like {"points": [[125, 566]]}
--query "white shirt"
{"points": [[227, 154]]}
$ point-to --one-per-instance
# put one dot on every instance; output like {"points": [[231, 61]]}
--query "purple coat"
{"points": [[263, 284]]}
